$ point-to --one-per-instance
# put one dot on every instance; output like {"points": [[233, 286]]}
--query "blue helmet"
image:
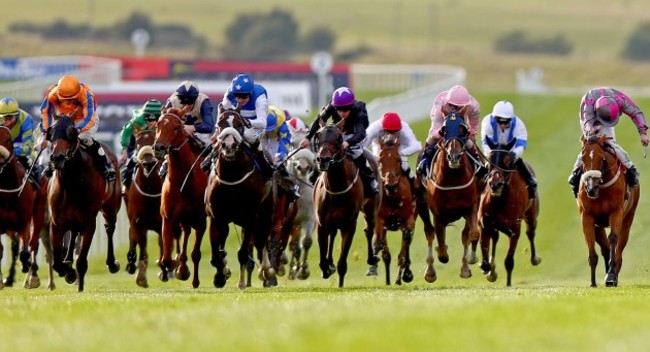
{"points": [[271, 122], [187, 92], [242, 84]]}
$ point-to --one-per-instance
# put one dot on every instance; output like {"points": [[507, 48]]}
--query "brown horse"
{"points": [[142, 199], [397, 211], [338, 199], [453, 192], [504, 205], [605, 200], [182, 204], [237, 193], [21, 213], [76, 193]]}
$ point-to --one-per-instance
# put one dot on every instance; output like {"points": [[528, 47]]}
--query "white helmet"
{"points": [[504, 110]]}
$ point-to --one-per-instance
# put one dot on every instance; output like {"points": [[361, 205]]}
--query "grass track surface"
{"points": [[549, 307]]}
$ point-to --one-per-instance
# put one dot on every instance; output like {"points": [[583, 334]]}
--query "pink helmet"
{"points": [[607, 111], [342, 97], [458, 95], [391, 122]]}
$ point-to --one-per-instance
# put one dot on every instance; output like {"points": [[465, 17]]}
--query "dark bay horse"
{"points": [[237, 193], [397, 211], [338, 199], [142, 200], [183, 189], [605, 200], [21, 213], [77, 192], [504, 205], [453, 192]]}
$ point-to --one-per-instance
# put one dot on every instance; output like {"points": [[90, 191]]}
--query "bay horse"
{"points": [[181, 205], [338, 199], [77, 192], [397, 210], [605, 200], [142, 199], [237, 193], [453, 192], [504, 204], [22, 210]]}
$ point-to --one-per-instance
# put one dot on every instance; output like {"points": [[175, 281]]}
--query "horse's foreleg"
{"points": [[509, 262], [441, 236], [243, 256], [372, 253], [488, 236], [531, 226], [25, 257], [294, 248], [430, 273], [465, 271], [347, 234], [474, 234], [82, 259], [143, 261], [591, 235], [44, 235], [15, 245], [611, 279], [166, 265], [182, 271], [306, 243], [218, 234], [199, 231], [111, 263], [131, 255], [323, 236], [404, 260]]}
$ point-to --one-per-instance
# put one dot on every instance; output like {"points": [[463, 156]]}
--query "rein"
{"points": [[233, 183], [23, 183], [137, 187], [356, 176]]}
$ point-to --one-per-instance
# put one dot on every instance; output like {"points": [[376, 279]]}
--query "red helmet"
{"points": [[607, 111], [391, 122]]}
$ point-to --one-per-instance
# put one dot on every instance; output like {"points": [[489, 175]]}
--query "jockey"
{"points": [[251, 100], [600, 109], [21, 127], [199, 122], [408, 143], [277, 141], [501, 126], [456, 99], [144, 118], [74, 99], [344, 108]]}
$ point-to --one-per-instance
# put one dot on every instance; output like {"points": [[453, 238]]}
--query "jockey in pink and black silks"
{"points": [[600, 110]]}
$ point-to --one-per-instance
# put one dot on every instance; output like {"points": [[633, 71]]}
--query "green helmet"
{"points": [[152, 108], [8, 107]]}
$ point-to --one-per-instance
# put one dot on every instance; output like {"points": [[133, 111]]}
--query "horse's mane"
{"points": [[331, 132]]}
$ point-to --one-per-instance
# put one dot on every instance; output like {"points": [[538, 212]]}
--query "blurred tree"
{"points": [[519, 42], [638, 44], [319, 38]]}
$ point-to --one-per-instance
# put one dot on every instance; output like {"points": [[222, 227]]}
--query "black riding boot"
{"points": [[265, 166], [481, 170], [287, 183], [367, 176], [313, 176], [527, 174], [425, 161], [33, 173], [206, 164], [574, 180], [632, 176], [102, 161], [127, 173]]}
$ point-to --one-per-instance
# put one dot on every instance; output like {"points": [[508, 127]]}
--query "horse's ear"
{"points": [[442, 131], [491, 144], [511, 144], [464, 130]]}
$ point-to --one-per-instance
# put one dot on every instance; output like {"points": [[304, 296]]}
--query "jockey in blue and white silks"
{"points": [[252, 101]]}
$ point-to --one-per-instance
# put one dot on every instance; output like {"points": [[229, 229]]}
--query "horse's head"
{"points": [[229, 142], [302, 163], [330, 146], [597, 158], [147, 157], [65, 141], [454, 133], [170, 134], [6, 147], [231, 118], [390, 161], [146, 137], [502, 166]]}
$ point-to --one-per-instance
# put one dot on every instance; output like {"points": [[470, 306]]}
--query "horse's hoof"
{"points": [[303, 273], [163, 276], [611, 280], [443, 256], [292, 273], [141, 281], [8, 282], [271, 282], [33, 282], [485, 268], [183, 273], [407, 276], [492, 276], [465, 273], [71, 276], [242, 286], [284, 259], [326, 274], [372, 271], [114, 268], [430, 275], [196, 283], [536, 260], [219, 280], [130, 268], [281, 271]]}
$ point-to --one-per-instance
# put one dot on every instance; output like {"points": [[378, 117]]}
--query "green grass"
{"points": [[549, 307]]}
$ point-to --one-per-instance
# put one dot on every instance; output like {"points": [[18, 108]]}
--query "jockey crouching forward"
{"points": [[456, 99], [344, 109], [76, 100], [501, 126], [21, 129], [198, 120], [277, 142]]}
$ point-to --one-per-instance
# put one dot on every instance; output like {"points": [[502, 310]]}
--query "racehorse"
{"points": [[338, 199], [605, 200], [300, 167], [237, 193], [504, 204], [453, 192], [182, 193], [397, 211], [21, 213], [76, 193], [142, 199]]}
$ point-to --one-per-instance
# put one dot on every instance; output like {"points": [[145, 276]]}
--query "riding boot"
{"points": [[632, 176], [367, 176], [206, 164], [101, 160], [265, 166], [127, 173], [481, 170], [313, 176], [425, 161], [530, 180], [32, 177], [574, 180], [289, 186]]}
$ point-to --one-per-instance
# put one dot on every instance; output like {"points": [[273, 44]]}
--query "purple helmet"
{"points": [[342, 97]]}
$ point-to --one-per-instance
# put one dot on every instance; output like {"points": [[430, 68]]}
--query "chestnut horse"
{"points": [[338, 199], [142, 199], [605, 200], [236, 193], [21, 213], [504, 204], [453, 192], [77, 192], [181, 204], [397, 211]]}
